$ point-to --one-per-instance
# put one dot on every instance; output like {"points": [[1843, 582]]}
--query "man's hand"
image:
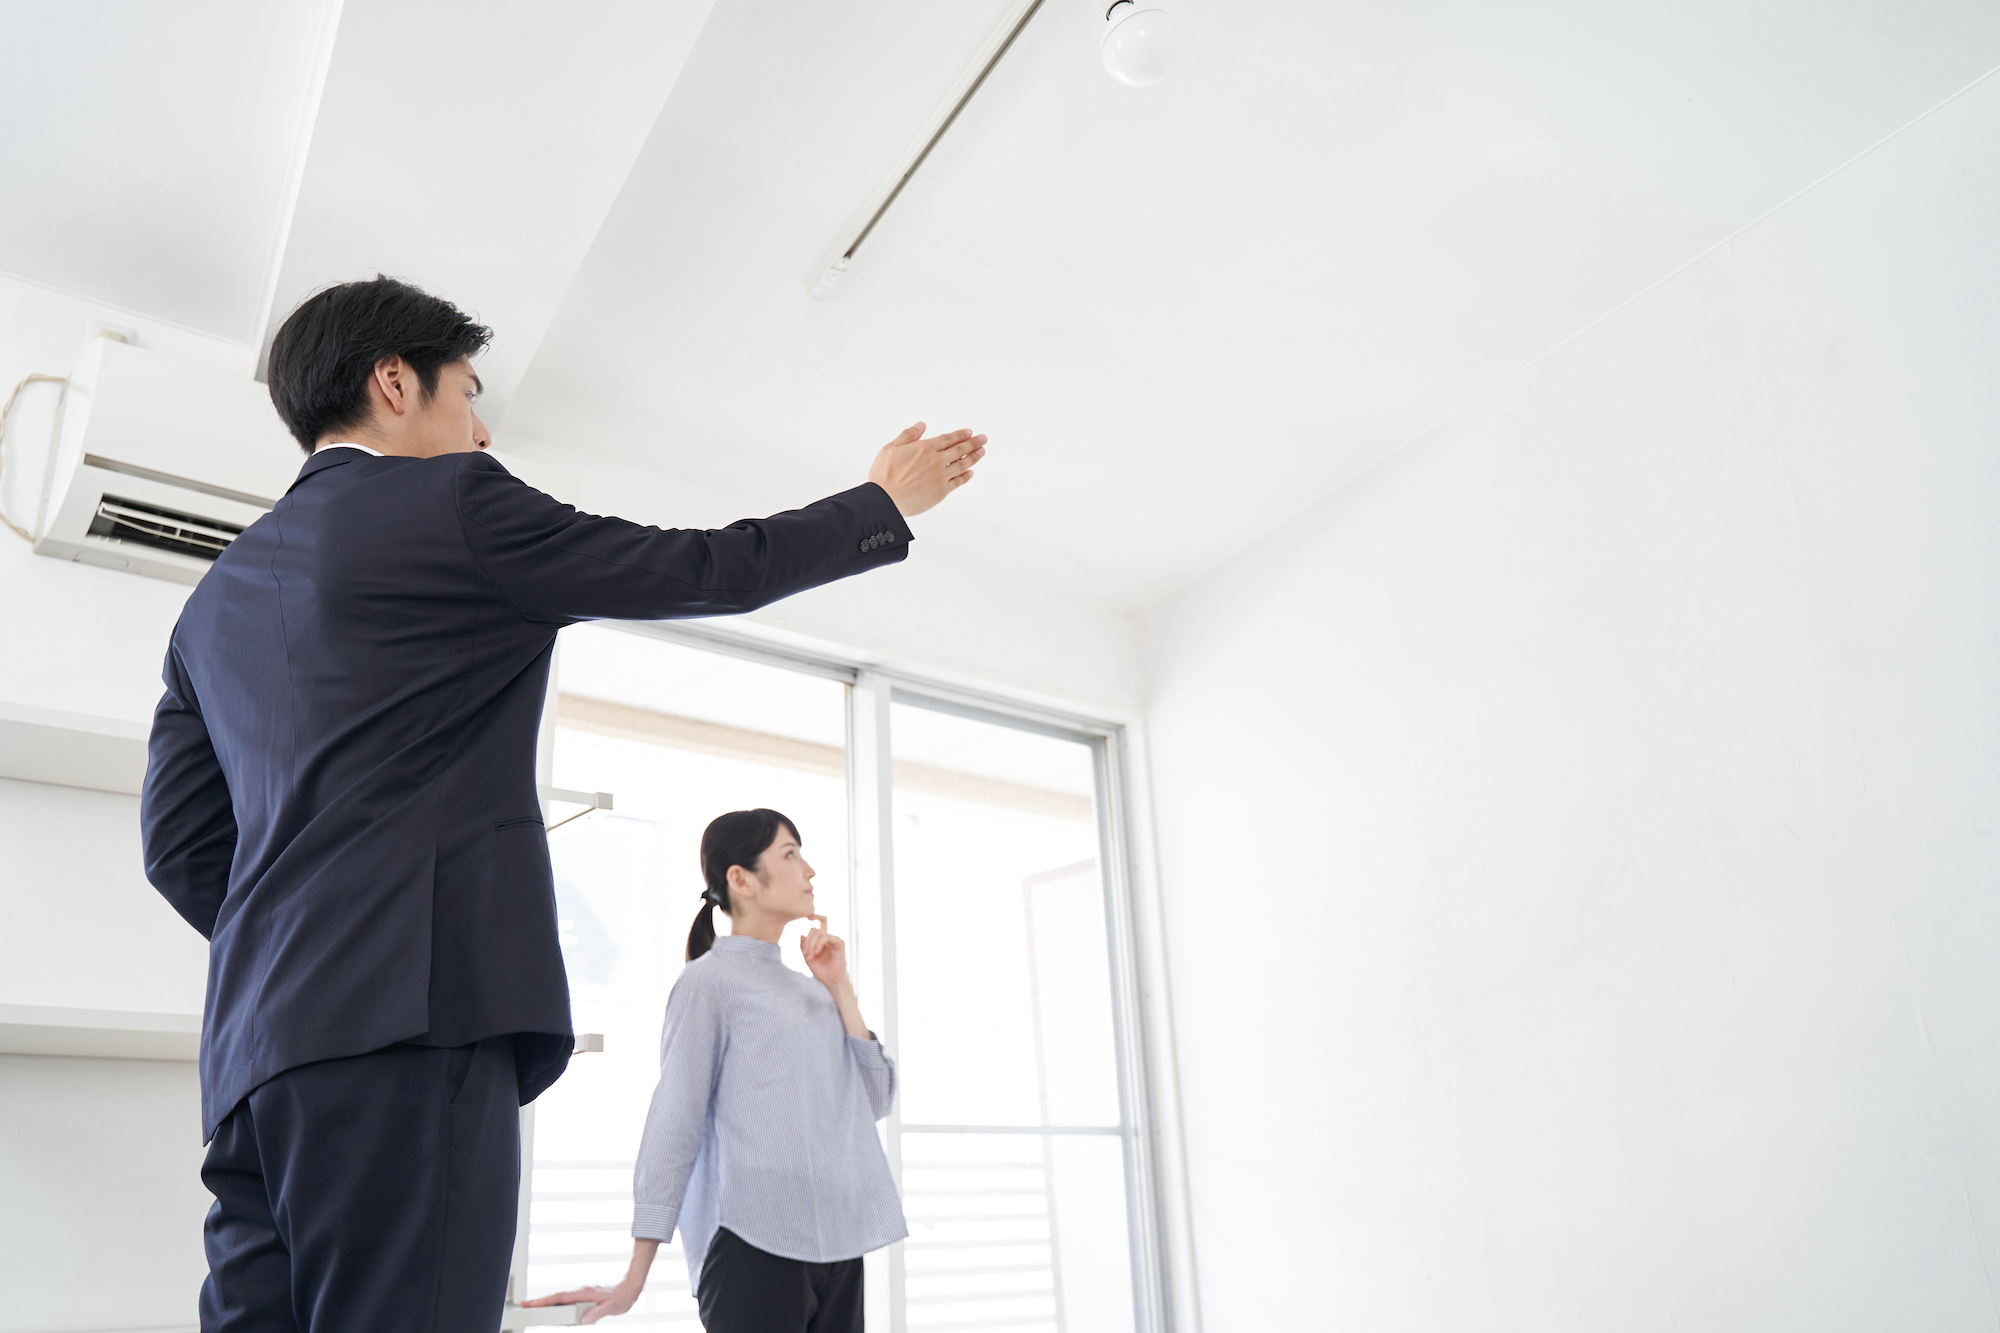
{"points": [[918, 472]]}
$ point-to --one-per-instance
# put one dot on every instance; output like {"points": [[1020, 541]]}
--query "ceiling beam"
{"points": [[475, 151]]}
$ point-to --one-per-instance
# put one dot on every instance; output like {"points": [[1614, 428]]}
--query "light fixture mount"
{"points": [[1139, 43]]}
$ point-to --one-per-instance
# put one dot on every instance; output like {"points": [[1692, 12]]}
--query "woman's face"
{"points": [[783, 886]]}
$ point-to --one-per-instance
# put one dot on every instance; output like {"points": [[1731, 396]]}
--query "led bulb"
{"points": [[1139, 45]]}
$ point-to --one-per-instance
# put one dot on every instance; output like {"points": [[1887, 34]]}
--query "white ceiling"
{"points": [[144, 157], [1181, 312], [214, 170]]}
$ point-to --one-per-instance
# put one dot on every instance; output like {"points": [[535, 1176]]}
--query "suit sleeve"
{"points": [[186, 822], [557, 564]]}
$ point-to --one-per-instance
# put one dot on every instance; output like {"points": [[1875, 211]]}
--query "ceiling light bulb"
{"points": [[1139, 44]]}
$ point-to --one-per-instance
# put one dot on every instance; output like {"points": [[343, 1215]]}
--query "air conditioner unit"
{"points": [[159, 463]]}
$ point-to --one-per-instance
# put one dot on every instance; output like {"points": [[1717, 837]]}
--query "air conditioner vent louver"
{"points": [[162, 529]]}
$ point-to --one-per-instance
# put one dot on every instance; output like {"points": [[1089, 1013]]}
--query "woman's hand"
{"points": [[826, 959], [603, 1301], [607, 1301], [826, 955]]}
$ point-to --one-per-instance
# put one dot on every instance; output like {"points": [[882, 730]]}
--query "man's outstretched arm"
{"points": [[557, 564], [186, 822]]}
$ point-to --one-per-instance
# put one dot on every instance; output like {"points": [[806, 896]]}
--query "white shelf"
{"points": [[117, 1034], [71, 749], [515, 1316]]}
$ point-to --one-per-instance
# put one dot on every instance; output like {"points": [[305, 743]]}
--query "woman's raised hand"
{"points": [[826, 958], [826, 955]]}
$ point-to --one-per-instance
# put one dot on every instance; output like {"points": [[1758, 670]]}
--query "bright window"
{"points": [[987, 941]]}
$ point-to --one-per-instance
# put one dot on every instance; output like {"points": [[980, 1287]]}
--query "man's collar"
{"points": [[330, 456], [345, 444]]}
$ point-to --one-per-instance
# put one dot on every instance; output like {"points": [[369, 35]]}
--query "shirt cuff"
{"points": [[868, 1050], [652, 1221]]}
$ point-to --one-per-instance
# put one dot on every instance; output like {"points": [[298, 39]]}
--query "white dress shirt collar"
{"points": [[342, 444]]}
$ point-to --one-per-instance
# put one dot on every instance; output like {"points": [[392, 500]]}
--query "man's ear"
{"points": [[391, 381]]}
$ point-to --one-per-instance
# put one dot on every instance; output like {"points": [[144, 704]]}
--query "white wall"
{"points": [[1579, 835], [84, 928], [101, 1199]]}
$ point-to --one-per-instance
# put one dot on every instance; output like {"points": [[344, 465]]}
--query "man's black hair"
{"points": [[322, 357]]}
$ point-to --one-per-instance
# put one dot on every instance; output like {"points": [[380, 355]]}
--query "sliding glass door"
{"points": [[1012, 1132], [969, 854]]}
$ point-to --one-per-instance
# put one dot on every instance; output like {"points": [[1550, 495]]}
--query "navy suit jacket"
{"points": [[341, 787]]}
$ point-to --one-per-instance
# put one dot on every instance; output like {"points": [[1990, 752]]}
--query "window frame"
{"points": [[872, 689]]}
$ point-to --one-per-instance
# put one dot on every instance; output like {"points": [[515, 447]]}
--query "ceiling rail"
{"points": [[940, 123]]}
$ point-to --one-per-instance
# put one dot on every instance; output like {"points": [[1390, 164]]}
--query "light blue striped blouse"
{"points": [[764, 1117]]}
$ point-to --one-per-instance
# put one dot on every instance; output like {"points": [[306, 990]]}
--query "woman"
{"points": [[760, 1144]]}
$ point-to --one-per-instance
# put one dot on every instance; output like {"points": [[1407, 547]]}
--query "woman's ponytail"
{"points": [[702, 933], [739, 838]]}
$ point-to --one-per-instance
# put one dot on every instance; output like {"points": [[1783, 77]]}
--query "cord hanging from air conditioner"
{"points": [[7, 411]]}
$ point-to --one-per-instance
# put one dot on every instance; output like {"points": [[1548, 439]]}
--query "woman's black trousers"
{"points": [[746, 1290]]}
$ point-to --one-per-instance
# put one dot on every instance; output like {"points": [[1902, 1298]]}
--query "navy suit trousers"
{"points": [[376, 1193]]}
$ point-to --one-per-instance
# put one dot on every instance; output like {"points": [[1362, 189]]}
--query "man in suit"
{"points": [[341, 797]]}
